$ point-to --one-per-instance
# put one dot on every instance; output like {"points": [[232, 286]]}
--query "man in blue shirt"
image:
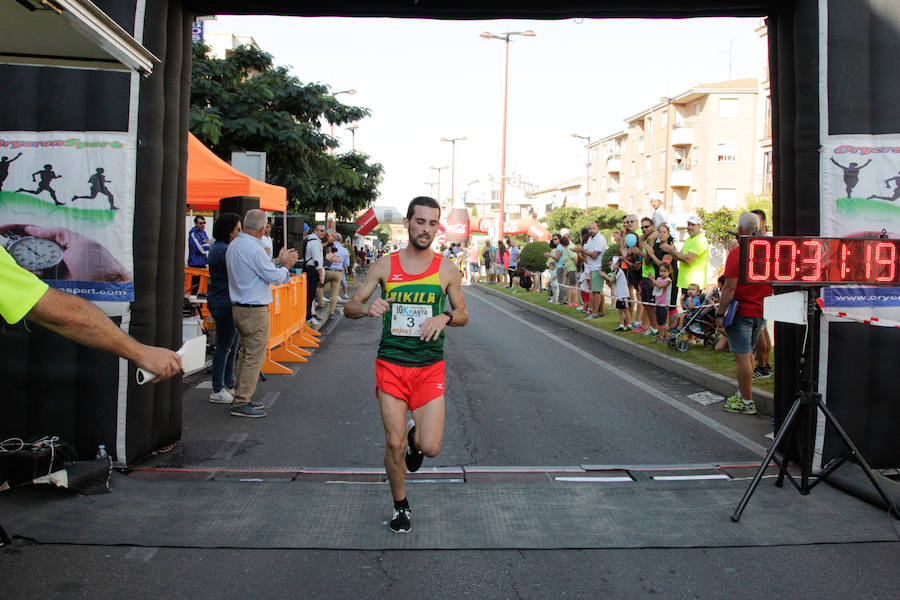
{"points": [[250, 271], [198, 243]]}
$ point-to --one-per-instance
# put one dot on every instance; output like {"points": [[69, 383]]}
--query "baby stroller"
{"points": [[701, 324]]}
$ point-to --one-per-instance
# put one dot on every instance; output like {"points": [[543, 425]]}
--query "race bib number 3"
{"points": [[407, 319]]}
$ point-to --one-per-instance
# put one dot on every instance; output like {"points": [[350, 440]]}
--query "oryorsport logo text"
{"points": [[863, 150], [75, 143], [101, 292]]}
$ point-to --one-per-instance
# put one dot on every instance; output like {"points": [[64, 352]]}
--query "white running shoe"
{"points": [[221, 397]]}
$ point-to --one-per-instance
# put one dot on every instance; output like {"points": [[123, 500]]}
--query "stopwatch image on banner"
{"points": [[66, 209]]}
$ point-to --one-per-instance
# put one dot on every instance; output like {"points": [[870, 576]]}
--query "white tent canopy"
{"points": [[68, 33]]}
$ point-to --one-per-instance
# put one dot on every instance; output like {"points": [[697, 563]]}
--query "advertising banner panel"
{"points": [[66, 209]]}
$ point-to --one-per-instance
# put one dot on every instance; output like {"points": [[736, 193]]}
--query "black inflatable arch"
{"points": [[80, 402]]}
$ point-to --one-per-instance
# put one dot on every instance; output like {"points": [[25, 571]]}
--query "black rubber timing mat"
{"points": [[540, 515]]}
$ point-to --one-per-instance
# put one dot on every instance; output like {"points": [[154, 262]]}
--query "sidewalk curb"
{"points": [[765, 401]]}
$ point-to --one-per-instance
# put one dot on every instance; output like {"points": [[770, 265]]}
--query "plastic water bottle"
{"points": [[101, 452]]}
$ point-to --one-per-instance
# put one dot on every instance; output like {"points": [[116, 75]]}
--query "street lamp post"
{"points": [[453, 166], [352, 129], [438, 169], [505, 37], [348, 92], [587, 179], [431, 188]]}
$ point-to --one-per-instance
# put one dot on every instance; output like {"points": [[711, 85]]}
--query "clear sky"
{"points": [[424, 80]]}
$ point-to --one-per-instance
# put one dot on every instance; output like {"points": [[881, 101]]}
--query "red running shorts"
{"points": [[417, 386]]}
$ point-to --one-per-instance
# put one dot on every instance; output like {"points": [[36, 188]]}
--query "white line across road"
{"points": [[691, 412]]}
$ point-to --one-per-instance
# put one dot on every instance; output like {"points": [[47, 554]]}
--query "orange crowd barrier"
{"points": [[289, 335], [202, 273]]}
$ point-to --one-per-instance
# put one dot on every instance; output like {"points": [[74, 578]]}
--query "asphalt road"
{"points": [[521, 391]]}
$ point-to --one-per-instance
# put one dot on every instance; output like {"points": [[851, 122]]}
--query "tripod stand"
{"points": [[807, 405]]}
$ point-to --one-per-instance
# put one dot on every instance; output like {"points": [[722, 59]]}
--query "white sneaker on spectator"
{"points": [[221, 397], [314, 320], [345, 297]]}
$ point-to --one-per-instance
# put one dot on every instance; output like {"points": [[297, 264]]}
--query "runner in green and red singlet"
{"points": [[409, 369]]}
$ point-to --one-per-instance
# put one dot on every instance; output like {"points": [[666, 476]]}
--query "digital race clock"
{"points": [[815, 261]]}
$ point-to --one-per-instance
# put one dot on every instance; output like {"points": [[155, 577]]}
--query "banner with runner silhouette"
{"points": [[861, 186], [66, 209]]}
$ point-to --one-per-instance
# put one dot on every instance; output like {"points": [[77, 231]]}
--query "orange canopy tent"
{"points": [[209, 179]]}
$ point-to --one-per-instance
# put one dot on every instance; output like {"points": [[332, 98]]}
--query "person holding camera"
{"points": [[314, 267]]}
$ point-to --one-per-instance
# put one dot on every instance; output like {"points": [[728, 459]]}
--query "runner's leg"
{"points": [[429, 420], [393, 416]]}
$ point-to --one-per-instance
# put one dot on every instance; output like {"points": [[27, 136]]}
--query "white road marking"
{"points": [[705, 398], [595, 479], [204, 385], [231, 446], [691, 412], [141, 554], [689, 477], [270, 399]]}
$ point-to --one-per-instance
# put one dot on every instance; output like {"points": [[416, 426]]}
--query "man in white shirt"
{"points": [[314, 267], [659, 215], [250, 271], [344, 259], [592, 253], [266, 239]]}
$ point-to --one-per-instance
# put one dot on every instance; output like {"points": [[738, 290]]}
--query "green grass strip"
{"points": [[698, 354]]}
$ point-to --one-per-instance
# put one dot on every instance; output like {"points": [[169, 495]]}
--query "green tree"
{"points": [[717, 224], [382, 232], [763, 203], [244, 102], [532, 256], [575, 219]]}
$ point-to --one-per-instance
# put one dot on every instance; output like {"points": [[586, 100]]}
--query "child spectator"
{"points": [[584, 286], [692, 303], [621, 293], [521, 279], [661, 287], [713, 298]]}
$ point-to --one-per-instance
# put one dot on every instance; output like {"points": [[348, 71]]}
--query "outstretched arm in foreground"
{"points": [[82, 322]]}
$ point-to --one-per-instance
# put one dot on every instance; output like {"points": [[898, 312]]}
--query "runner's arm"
{"points": [[433, 326], [355, 308]]}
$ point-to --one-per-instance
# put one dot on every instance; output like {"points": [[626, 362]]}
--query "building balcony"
{"points": [[614, 164], [682, 134], [611, 197], [680, 177]]}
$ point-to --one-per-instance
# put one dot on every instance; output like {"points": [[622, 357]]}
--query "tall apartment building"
{"points": [[698, 149], [763, 184]]}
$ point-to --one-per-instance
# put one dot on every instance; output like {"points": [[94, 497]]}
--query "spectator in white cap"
{"points": [[694, 256]]}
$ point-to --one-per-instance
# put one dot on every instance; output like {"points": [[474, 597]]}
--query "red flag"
{"points": [[367, 222]]}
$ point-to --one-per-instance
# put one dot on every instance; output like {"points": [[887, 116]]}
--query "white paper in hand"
{"points": [[193, 358]]}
